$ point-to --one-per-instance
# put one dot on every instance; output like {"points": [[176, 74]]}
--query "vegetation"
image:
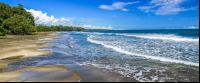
{"points": [[15, 20], [18, 21], [18, 24], [42, 28]]}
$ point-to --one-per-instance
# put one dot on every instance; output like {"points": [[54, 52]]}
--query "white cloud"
{"points": [[165, 7], [193, 27], [87, 25], [109, 27], [97, 27], [42, 18], [117, 5]]}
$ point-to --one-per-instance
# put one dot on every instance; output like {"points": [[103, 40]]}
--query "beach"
{"points": [[99, 41], [99, 56], [139, 55], [19, 47]]}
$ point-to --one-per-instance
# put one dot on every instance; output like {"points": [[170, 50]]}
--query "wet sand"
{"points": [[58, 73], [91, 74], [19, 47], [15, 48]]}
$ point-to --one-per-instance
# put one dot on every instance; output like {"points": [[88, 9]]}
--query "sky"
{"points": [[114, 14]]}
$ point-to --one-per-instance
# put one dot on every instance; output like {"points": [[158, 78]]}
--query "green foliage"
{"points": [[45, 28], [18, 24], [3, 31], [16, 20]]}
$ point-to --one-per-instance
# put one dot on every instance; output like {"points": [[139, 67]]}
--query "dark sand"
{"points": [[91, 74], [31, 76], [18, 48]]}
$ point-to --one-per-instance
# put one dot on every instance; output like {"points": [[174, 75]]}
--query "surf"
{"points": [[162, 37], [146, 56]]}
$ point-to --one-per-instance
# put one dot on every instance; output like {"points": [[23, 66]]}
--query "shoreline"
{"points": [[30, 48], [20, 47], [26, 45], [82, 73]]}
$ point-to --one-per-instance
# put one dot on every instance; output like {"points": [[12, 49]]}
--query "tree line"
{"points": [[42, 28], [17, 21]]}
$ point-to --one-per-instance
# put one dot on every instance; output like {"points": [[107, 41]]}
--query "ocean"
{"points": [[142, 55]]}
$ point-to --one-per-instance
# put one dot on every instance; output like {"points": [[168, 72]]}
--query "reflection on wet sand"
{"points": [[91, 74], [57, 73], [44, 76]]}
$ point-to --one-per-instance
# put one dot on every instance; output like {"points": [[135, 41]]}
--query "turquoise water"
{"points": [[142, 55]]}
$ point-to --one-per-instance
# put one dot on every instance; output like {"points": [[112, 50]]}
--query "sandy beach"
{"points": [[60, 57], [20, 47]]}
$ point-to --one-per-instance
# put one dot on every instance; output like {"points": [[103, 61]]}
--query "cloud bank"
{"points": [[43, 19], [165, 7], [117, 5], [97, 27], [193, 27]]}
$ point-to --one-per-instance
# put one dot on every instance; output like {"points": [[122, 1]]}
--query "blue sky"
{"points": [[114, 14]]}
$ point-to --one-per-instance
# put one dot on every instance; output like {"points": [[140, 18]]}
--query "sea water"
{"points": [[142, 55]]}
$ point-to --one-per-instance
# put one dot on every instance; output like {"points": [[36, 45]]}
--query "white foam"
{"points": [[136, 72], [147, 56], [98, 33], [163, 37]]}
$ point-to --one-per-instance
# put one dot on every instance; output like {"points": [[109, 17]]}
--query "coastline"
{"points": [[53, 69], [27, 47], [19, 47]]}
